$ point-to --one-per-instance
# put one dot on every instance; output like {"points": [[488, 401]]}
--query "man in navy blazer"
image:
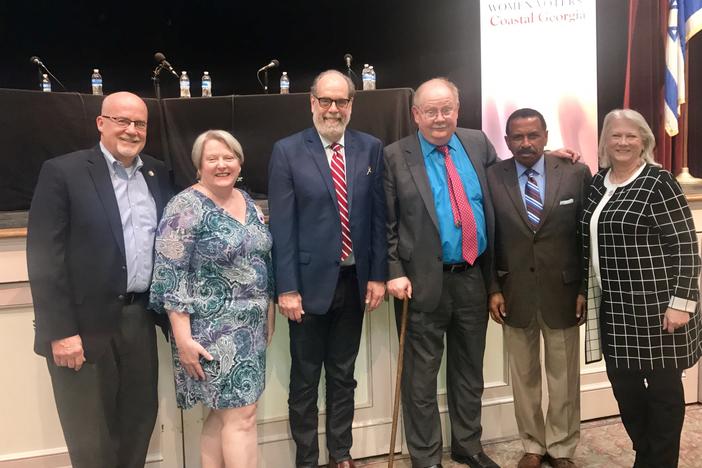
{"points": [[89, 257], [329, 256]]}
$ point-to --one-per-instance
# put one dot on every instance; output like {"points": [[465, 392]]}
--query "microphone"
{"points": [[273, 63], [348, 58], [161, 60], [37, 61]]}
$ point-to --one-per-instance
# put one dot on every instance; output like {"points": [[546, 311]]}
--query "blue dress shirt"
{"points": [[137, 211], [450, 234], [540, 176]]}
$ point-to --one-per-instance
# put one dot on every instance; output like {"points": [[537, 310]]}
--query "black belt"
{"points": [[346, 270], [457, 267], [132, 297]]}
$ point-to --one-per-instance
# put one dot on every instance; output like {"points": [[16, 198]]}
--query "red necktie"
{"points": [[338, 171], [462, 211]]}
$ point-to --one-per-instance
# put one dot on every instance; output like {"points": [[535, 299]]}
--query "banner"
{"points": [[541, 54]]}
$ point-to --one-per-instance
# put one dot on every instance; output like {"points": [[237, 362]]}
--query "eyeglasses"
{"points": [[123, 122], [434, 112], [325, 102]]}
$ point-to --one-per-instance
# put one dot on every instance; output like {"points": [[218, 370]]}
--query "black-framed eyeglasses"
{"points": [[325, 102], [124, 122]]}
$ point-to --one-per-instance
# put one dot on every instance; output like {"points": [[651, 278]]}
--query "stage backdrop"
{"points": [[541, 54]]}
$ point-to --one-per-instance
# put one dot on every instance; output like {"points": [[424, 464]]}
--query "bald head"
{"points": [[435, 110], [122, 126]]}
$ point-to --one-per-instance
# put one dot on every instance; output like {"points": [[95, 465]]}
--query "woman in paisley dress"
{"points": [[212, 276]]}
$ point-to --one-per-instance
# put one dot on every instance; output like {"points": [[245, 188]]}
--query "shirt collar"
{"points": [[112, 162], [427, 147], [326, 142], [539, 166]]}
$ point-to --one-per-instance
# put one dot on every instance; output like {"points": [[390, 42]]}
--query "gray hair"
{"points": [[443, 80], [645, 133], [219, 135], [349, 82]]}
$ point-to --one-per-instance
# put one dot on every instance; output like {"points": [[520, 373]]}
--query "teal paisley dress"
{"points": [[218, 270]]}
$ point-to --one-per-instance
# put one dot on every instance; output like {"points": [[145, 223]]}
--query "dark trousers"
{"points": [[652, 412], [331, 340], [108, 408], [462, 316]]}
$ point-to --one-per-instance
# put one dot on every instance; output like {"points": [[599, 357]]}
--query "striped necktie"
{"points": [[338, 171], [460, 206], [532, 198]]}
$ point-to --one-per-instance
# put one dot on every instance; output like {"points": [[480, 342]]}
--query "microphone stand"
{"points": [[41, 77], [265, 81], [40, 67], [157, 81]]}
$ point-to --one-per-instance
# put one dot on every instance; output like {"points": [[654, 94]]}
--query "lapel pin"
{"points": [[369, 171], [151, 173]]}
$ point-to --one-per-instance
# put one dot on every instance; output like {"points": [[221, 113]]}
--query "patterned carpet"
{"points": [[603, 444]]}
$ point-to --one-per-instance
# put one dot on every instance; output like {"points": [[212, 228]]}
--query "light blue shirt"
{"points": [[540, 176], [450, 234], [137, 211]]}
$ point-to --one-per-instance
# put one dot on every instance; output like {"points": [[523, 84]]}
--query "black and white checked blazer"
{"points": [[648, 254]]}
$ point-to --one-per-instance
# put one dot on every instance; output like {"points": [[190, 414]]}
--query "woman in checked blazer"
{"points": [[641, 255]]}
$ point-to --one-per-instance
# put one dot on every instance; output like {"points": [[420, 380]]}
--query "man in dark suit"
{"points": [[89, 255], [440, 233], [538, 203], [327, 217]]}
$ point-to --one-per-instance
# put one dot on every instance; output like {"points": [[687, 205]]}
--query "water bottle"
{"points": [[284, 83], [184, 84], [366, 77], [96, 82], [371, 74], [206, 85], [45, 83]]}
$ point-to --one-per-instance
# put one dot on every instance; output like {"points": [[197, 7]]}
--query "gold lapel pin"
{"points": [[151, 173]]}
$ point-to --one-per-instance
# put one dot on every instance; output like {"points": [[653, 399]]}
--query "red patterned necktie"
{"points": [[338, 171], [462, 211]]}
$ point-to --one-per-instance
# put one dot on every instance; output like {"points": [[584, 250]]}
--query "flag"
{"points": [[684, 21]]}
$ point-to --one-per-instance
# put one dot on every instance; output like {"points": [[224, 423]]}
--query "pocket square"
{"points": [[569, 201]]}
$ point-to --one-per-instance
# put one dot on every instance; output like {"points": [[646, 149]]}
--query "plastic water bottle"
{"points": [[284, 83], [371, 73], [366, 77], [45, 83], [96, 82], [206, 85], [184, 84]]}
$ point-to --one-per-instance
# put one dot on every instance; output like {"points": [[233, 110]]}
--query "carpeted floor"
{"points": [[603, 444]]}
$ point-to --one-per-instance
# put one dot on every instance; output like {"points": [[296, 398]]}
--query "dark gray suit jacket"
{"points": [[539, 270], [414, 245]]}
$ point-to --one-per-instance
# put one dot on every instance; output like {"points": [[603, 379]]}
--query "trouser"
{"points": [[462, 316], [108, 408], [330, 340], [652, 407], [559, 432]]}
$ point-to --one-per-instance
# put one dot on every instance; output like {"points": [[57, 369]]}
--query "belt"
{"points": [[346, 270], [132, 297], [456, 267]]}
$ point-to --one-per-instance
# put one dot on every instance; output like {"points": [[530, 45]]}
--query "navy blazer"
{"points": [[75, 249], [304, 216]]}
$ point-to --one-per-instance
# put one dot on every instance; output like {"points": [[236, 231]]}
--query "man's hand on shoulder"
{"points": [[400, 287], [375, 292], [565, 153], [290, 305], [68, 352]]}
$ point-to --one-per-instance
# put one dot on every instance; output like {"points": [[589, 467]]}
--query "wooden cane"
{"points": [[398, 381]]}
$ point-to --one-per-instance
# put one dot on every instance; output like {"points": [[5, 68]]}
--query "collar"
{"points": [[539, 167], [326, 143], [427, 147], [112, 162]]}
